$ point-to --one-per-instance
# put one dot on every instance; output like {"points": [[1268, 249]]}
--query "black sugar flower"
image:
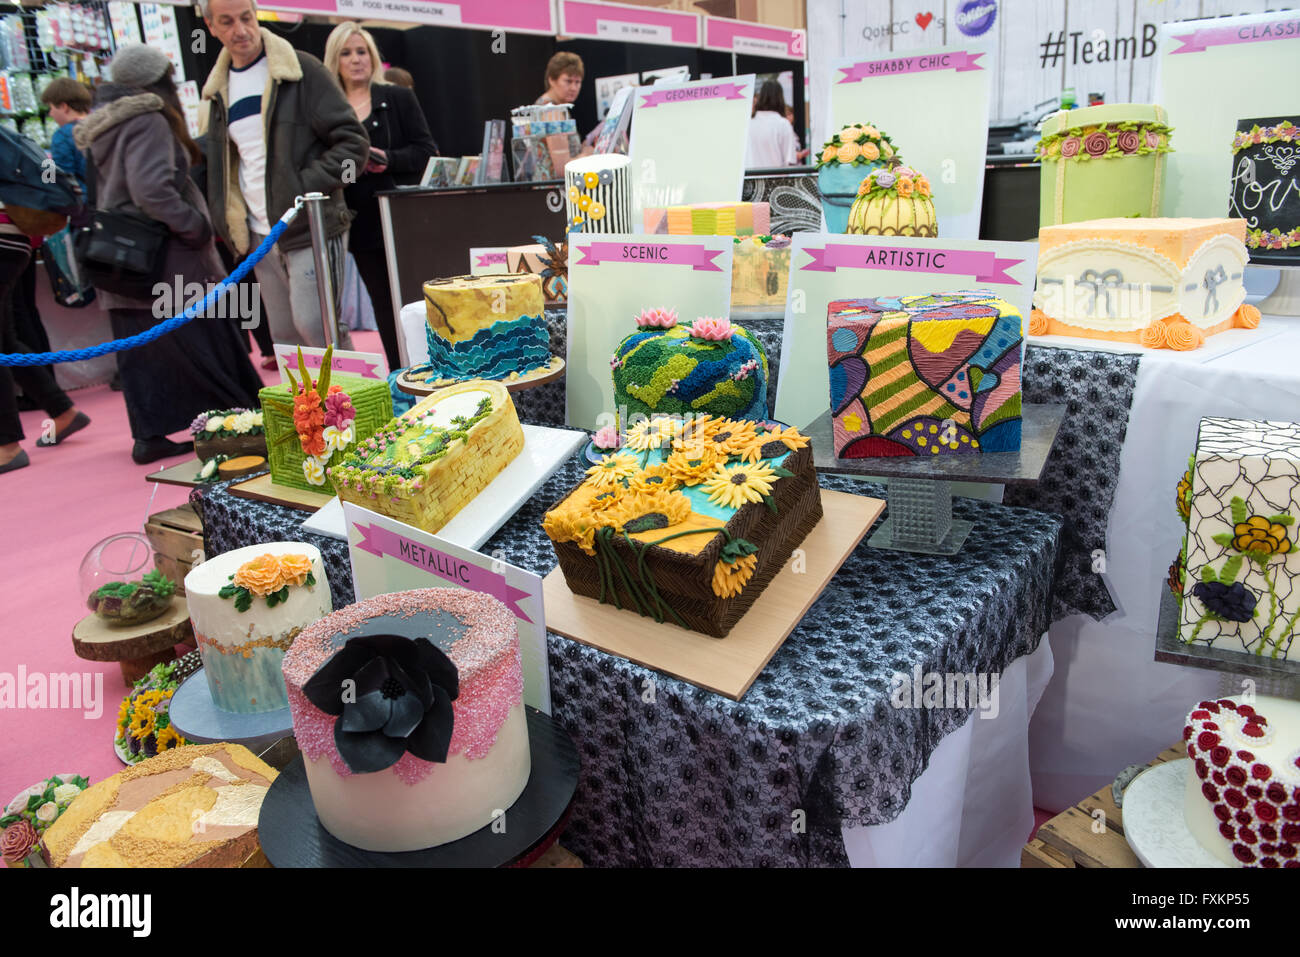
{"points": [[1233, 602], [391, 695]]}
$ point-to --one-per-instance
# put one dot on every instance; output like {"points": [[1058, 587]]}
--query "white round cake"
{"points": [[247, 607], [409, 712], [1242, 800]]}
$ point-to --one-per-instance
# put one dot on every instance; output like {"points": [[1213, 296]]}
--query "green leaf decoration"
{"points": [[1207, 574], [736, 549], [243, 600], [35, 801], [1239, 513], [770, 503], [10, 819], [1228, 574], [1282, 519], [784, 473], [229, 591], [311, 579], [1259, 558], [283, 594], [323, 385], [1224, 539], [272, 599], [302, 370]]}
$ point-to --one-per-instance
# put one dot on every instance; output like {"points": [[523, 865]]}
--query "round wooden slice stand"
{"points": [[544, 376], [136, 648]]}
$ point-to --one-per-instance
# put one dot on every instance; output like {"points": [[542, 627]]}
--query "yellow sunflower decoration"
{"points": [[729, 579], [697, 429], [692, 463], [736, 485], [650, 434], [787, 436], [1258, 534], [612, 469], [653, 478], [732, 437], [643, 511]]}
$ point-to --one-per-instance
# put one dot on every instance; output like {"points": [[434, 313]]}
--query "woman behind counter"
{"points": [[400, 147]]}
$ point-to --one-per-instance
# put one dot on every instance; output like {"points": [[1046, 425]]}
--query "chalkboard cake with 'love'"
{"points": [[709, 366], [1266, 187], [924, 375], [409, 711]]}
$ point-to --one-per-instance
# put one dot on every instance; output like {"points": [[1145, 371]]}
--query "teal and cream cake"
{"points": [[485, 327], [247, 607], [709, 366]]}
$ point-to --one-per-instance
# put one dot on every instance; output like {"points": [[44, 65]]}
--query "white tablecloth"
{"points": [[1109, 704], [973, 806]]}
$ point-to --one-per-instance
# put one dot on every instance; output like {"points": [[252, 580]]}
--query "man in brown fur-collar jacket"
{"points": [[278, 126]]}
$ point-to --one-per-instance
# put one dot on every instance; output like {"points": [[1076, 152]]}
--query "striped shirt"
{"points": [[247, 84]]}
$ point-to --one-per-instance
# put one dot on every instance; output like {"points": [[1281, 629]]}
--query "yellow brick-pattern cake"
{"points": [[431, 461]]}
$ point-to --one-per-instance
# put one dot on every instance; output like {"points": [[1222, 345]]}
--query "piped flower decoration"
{"points": [[612, 469], [711, 329], [734, 486], [606, 438], [1233, 602], [735, 567], [657, 318], [391, 695], [1258, 534]]}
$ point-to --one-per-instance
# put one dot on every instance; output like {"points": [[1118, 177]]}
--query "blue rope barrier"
{"points": [[149, 335]]}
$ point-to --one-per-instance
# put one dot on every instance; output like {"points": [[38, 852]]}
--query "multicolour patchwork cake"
{"points": [[711, 366], [1242, 795], [709, 219], [1163, 283], [924, 375], [247, 606], [760, 271], [427, 464], [1240, 574], [311, 424], [894, 201], [484, 327], [690, 520], [195, 806], [409, 712]]}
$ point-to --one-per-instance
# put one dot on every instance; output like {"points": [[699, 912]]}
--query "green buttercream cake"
{"points": [[370, 406], [1102, 162]]}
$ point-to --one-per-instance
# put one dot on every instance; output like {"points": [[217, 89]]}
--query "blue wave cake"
{"points": [[709, 366], [484, 327]]}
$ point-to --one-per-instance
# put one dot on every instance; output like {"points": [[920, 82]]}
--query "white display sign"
{"points": [[161, 32], [488, 260], [388, 556]]}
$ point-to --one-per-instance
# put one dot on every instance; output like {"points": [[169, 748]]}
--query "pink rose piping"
{"points": [[607, 438], [1070, 146], [1128, 141], [1097, 143]]}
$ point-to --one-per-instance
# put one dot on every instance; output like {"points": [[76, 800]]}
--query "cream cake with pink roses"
{"points": [[408, 709], [1242, 799]]}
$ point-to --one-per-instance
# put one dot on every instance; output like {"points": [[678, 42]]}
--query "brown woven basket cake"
{"points": [[685, 581]]}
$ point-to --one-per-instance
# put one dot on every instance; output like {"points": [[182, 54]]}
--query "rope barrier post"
{"points": [[315, 203]]}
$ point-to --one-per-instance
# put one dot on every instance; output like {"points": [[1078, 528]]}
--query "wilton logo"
{"points": [[59, 690], [73, 910], [975, 17], [937, 689]]}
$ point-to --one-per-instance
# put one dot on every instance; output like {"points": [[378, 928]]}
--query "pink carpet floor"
{"points": [[51, 513]]}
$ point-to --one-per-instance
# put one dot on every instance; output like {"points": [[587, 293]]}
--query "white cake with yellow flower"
{"points": [[689, 520]]}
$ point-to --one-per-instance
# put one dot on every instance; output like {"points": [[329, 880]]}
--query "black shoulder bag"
{"points": [[121, 250]]}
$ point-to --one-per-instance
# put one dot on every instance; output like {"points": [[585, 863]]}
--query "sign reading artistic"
{"points": [[982, 265]]}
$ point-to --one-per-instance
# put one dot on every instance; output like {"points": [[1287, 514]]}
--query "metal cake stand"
{"points": [[919, 492]]}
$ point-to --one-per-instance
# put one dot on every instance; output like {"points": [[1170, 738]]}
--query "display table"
{"points": [[789, 775], [1110, 703]]}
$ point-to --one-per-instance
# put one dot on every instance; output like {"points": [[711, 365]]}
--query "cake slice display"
{"points": [[709, 366], [310, 424], [689, 521], [1161, 283], [409, 711], [1241, 579], [484, 327], [194, 806], [428, 463], [247, 606], [1242, 793], [924, 375]]}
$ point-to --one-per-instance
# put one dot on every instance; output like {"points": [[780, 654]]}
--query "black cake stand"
{"points": [[292, 835], [920, 489]]}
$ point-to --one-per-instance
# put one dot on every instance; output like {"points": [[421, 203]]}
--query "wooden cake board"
{"points": [[542, 375], [136, 647], [727, 665], [260, 489]]}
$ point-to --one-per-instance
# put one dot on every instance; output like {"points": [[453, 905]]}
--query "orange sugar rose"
{"points": [[1037, 323], [294, 569], [1247, 317], [1184, 336], [1155, 336], [261, 576]]}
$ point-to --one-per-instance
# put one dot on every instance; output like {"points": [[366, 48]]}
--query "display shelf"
{"points": [[1283, 676]]}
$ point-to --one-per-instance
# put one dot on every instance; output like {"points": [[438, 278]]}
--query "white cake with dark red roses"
{"points": [[409, 712], [1242, 801]]}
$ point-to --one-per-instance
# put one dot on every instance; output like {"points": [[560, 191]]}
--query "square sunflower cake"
{"points": [[689, 520]]}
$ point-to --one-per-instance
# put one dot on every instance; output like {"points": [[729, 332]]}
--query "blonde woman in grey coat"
{"points": [[137, 140]]}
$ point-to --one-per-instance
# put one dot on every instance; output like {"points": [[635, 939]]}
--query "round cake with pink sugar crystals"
{"points": [[409, 712]]}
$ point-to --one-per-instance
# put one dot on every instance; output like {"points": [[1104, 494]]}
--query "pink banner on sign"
{"points": [[491, 259], [699, 258], [723, 34], [686, 94], [961, 60], [382, 542], [352, 366], [582, 18], [983, 266], [1199, 40], [523, 16]]}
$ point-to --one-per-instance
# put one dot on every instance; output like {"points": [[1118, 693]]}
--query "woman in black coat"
{"points": [[400, 147]]}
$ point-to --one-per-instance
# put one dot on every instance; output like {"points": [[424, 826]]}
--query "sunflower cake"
{"points": [[689, 520]]}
